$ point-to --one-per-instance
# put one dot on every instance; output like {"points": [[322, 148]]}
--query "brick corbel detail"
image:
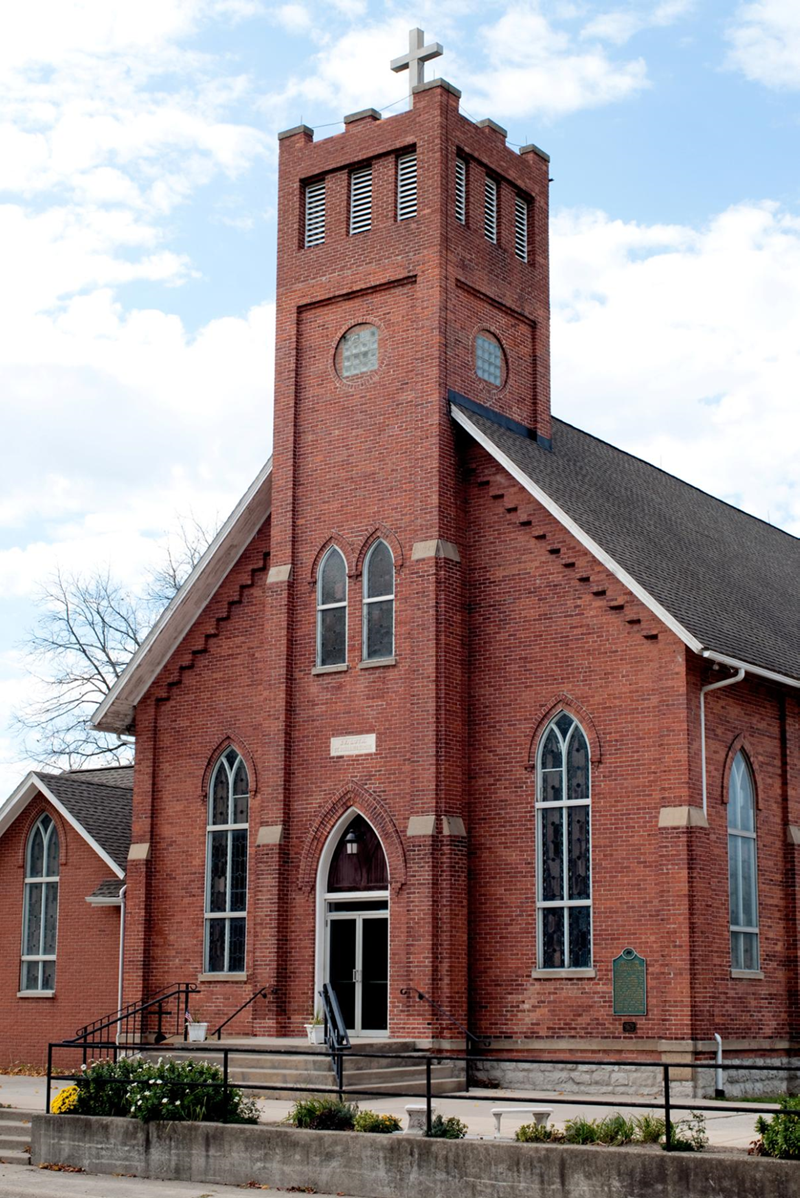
{"points": [[565, 702], [370, 806]]}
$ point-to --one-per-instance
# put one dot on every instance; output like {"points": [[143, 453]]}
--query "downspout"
{"points": [[121, 949], [737, 677]]}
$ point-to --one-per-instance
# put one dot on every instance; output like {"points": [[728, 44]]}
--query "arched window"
{"points": [[742, 866], [40, 918], [226, 865], [332, 609], [563, 858], [378, 606]]}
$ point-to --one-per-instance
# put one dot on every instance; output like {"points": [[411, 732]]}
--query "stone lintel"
{"points": [[532, 149], [488, 123], [139, 852], [682, 817], [422, 549], [363, 114], [279, 573], [453, 825], [421, 825], [306, 130], [793, 834], [270, 834], [424, 87]]}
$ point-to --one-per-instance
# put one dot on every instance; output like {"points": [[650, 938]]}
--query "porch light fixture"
{"points": [[351, 841]]}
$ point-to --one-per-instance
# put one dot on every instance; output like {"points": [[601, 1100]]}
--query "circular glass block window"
{"points": [[490, 361], [357, 352]]}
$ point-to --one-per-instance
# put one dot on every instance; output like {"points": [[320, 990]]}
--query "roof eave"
{"points": [[597, 551], [117, 711]]}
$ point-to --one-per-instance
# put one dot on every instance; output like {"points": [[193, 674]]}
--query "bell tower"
{"points": [[412, 271]]}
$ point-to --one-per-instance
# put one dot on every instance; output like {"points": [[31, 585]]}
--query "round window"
{"points": [[490, 361], [357, 351]]}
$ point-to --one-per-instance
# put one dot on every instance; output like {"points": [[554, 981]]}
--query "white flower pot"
{"points": [[197, 1032], [316, 1033]]}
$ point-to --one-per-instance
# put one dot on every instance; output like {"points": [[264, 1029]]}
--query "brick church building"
{"points": [[463, 700]]}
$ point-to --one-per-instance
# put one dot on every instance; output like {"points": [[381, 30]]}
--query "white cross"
{"points": [[418, 55]]}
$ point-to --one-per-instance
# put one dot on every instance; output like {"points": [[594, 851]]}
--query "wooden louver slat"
{"points": [[315, 213], [361, 200], [406, 186], [490, 210], [461, 191], [521, 228]]}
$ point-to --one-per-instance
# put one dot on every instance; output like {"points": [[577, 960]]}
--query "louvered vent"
{"points": [[461, 191], [521, 228], [490, 211], [315, 213], [406, 186], [361, 200]]}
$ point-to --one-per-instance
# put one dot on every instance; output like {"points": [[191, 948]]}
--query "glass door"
{"points": [[358, 963]]}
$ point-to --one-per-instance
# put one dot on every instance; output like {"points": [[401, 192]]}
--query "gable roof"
{"points": [[100, 812], [725, 582], [116, 712]]}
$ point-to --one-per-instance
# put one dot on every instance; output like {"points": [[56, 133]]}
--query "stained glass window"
{"points": [[332, 610], [742, 866], [378, 603], [563, 849], [226, 865], [40, 907]]}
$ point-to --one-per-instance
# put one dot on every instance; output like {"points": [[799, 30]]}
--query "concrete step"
{"points": [[451, 1085], [353, 1077], [11, 1114], [15, 1158]]}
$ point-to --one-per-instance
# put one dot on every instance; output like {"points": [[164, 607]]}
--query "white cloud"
{"points": [[683, 345], [294, 18], [765, 42], [620, 25]]}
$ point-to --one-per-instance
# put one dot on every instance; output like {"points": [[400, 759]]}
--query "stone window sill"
{"points": [[222, 977], [377, 661], [36, 994], [564, 973], [330, 669], [745, 975]]}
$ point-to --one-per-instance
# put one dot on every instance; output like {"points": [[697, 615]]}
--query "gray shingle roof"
{"points": [[109, 888], [103, 810], [730, 580]]}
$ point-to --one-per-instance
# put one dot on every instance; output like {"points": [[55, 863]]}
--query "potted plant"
{"points": [[195, 1028], [316, 1029]]}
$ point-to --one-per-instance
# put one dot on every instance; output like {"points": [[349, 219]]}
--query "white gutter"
{"points": [[121, 949], [713, 686]]}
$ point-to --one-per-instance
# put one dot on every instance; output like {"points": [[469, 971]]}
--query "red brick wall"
{"points": [[87, 949]]}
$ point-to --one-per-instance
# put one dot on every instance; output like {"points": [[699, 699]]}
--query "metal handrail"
{"points": [[470, 1037], [138, 1009], [336, 1034], [264, 990]]}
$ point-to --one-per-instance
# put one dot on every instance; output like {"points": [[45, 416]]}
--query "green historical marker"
{"points": [[630, 983]]}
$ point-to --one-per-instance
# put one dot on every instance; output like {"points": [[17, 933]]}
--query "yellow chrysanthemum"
{"points": [[65, 1101]]}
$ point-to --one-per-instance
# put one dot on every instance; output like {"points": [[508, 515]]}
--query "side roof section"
{"points": [[725, 582], [116, 712]]}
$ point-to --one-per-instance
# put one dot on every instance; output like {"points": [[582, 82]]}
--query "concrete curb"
{"points": [[375, 1166]]}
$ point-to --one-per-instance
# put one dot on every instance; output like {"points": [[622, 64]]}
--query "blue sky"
{"points": [[137, 235]]}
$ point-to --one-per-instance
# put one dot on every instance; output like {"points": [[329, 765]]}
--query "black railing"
{"points": [[336, 1034], [153, 1016], [426, 1063], [473, 1042], [263, 991]]}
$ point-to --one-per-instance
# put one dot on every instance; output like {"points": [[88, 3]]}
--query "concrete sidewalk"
{"points": [[19, 1181], [725, 1129]]}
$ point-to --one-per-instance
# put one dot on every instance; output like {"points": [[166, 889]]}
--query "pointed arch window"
{"points": [[563, 853], [742, 866], [332, 609], [40, 914], [378, 604], [226, 865]]}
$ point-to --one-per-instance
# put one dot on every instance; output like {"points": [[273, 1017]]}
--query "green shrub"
{"points": [[689, 1135], [323, 1112], [648, 1129], [538, 1133], [139, 1088], [381, 1124], [580, 1130], [615, 1130], [780, 1134], [447, 1129]]}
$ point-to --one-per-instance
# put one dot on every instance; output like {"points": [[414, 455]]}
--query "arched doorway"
{"points": [[354, 904]]}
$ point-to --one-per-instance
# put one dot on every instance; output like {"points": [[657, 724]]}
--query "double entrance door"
{"points": [[358, 962]]}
